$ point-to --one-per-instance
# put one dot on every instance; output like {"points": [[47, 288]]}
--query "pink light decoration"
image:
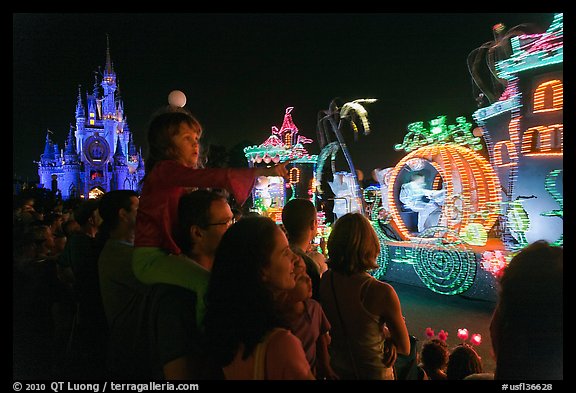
{"points": [[463, 334], [429, 332], [442, 335], [288, 124], [302, 140], [272, 141], [476, 339], [493, 262], [507, 93]]}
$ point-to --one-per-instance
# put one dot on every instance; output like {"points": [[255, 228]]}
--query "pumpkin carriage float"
{"points": [[448, 217]]}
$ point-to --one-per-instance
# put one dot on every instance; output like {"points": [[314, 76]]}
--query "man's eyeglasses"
{"points": [[227, 223]]}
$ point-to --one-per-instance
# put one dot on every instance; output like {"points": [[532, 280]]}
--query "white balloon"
{"points": [[177, 98]]}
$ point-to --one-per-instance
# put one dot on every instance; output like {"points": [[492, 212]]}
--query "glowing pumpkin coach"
{"points": [[472, 188]]}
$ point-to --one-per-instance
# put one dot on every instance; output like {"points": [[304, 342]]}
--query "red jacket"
{"points": [[166, 183]]}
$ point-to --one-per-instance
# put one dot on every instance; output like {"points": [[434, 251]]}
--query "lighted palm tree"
{"points": [[333, 119]]}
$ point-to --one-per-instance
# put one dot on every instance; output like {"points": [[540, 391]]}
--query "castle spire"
{"points": [[109, 67], [119, 158], [70, 145], [48, 148], [141, 166], [132, 152], [80, 113], [95, 91]]}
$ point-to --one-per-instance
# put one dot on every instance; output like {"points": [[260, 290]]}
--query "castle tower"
{"points": [[523, 131]]}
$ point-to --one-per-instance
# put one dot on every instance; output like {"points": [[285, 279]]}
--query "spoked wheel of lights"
{"points": [[443, 263]]}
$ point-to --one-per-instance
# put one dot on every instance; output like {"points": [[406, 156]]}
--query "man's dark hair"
{"points": [[296, 216], [84, 211], [109, 206], [194, 209]]}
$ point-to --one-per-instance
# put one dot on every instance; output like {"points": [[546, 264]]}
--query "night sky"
{"points": [[240, 72]]}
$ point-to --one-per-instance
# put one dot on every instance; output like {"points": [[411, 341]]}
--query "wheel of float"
{"points": [[382, 262], [445, 267]]}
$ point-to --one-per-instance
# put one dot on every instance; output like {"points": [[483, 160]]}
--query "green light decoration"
{"points": [[293, 189], [439, 133], [259, 206], [382, 262], [474, 234], [377, 214], [550, 186], [518, 221], [448, 268]]}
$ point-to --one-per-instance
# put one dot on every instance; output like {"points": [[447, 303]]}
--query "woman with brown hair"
{"points": [[368, 329]]}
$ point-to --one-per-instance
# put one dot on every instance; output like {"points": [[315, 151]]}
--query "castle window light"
{"points": [[542, 140], [557, 137], [529, 140], [549, 96], [288, 138], [294, 175], [505, 154]]}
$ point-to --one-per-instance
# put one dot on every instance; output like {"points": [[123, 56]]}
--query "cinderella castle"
{"points": [[99, 154]]}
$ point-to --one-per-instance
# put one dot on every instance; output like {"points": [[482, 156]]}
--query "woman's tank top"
{"points": [[357, 338]]}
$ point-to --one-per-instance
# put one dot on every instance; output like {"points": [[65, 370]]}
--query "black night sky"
{"points": [[241, 71]]}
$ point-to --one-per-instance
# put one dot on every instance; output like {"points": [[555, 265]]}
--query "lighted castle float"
{"points": [[271, 193]]}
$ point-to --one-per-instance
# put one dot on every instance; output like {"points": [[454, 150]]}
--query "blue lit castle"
{"points": [[99, 153], [523, 129]]}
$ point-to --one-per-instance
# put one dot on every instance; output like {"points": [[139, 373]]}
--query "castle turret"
{"points": [[119, 157], [132, 152], [80, 120], [50, 162], [109, 84], [112, 118], [48, 156], [70, 181], [70, 153]]}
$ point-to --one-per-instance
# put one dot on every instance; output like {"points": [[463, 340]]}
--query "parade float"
{"points": [[483, 193], [450, 214], [271, 193]]}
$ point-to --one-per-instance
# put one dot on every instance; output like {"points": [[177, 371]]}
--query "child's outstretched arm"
{"points": [[276, 170]]}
